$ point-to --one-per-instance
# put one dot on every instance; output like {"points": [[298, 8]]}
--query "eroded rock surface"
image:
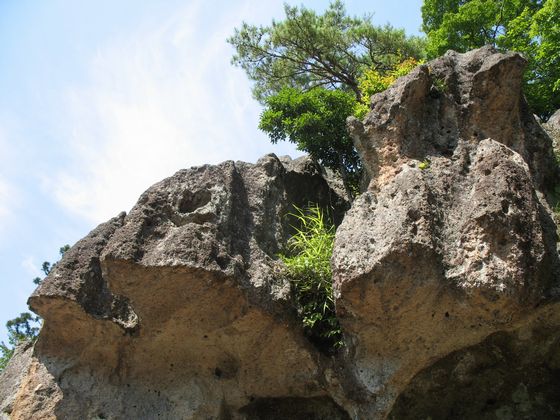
{"points": [[13, 376], [446, 278], [454, 241], [552, 127], [176, 310]]}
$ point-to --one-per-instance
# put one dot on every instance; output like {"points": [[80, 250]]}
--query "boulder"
{"points": [[552, 127], [454, 241], [457, 98], [176, 310]]}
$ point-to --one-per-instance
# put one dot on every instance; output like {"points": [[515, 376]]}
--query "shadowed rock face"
{"points": [[446, 278], [508, 375]]}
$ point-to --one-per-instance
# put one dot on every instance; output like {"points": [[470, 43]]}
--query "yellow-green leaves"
{"points": [[425, 164], [373, 81], [309, 271]]}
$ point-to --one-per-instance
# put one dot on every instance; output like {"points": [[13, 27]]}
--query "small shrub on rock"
{"points": [[309, 270]]}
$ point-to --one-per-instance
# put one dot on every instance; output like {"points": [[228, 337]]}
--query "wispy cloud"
{"points": [[6, 198], [9, 194], [156, 101], [30, 267]]}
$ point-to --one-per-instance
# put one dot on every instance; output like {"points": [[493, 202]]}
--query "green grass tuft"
{"points": [[309, 271]]}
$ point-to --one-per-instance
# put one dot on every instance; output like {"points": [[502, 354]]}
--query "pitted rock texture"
{"points": [[176, 310], [446, 278], [456, 98], [552, 127], [454, 240]]}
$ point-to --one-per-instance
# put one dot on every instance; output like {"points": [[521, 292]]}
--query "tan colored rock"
{"points": [[437, 257], [456, 98], [176, 310], [13, 375]]}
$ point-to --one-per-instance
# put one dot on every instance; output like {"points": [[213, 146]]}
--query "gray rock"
{"points": [[176, 310], [552, 127], [460, 242], [456, 98], [12, 377], [554, 120]]}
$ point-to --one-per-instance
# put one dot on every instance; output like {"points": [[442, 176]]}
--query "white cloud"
{"points": [[6, 194], [30, 267], [156, 101], [9, 195]]}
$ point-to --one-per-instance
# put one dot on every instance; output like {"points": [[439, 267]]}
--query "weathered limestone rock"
{"points": [[13, 376], [446, 277], [176, 310], [458, 98], [454, 241], [554, 120], [552, 127]]}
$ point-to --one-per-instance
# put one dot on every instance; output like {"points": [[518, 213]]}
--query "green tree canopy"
{"points": [[310, 70], [537, 36], [307, 50], [531, 27], [316, 122]]}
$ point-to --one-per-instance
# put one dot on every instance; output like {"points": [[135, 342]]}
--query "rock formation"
{"points": [[554, 120], [552, 127], [460, 243], [446, 278], [176, 310]]}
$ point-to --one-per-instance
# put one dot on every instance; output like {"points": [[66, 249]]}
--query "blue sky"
{"points": [[100, 99]]}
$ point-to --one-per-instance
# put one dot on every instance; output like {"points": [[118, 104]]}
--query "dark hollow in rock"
{"points": [[505, 376], [318, 408]]}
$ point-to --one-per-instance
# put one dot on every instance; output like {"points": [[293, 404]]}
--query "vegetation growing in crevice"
{"points": [[308, 268], [425, 164], [373, 81]]}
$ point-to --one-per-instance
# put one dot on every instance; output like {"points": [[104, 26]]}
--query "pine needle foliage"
{"points": [[309, 271]]}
